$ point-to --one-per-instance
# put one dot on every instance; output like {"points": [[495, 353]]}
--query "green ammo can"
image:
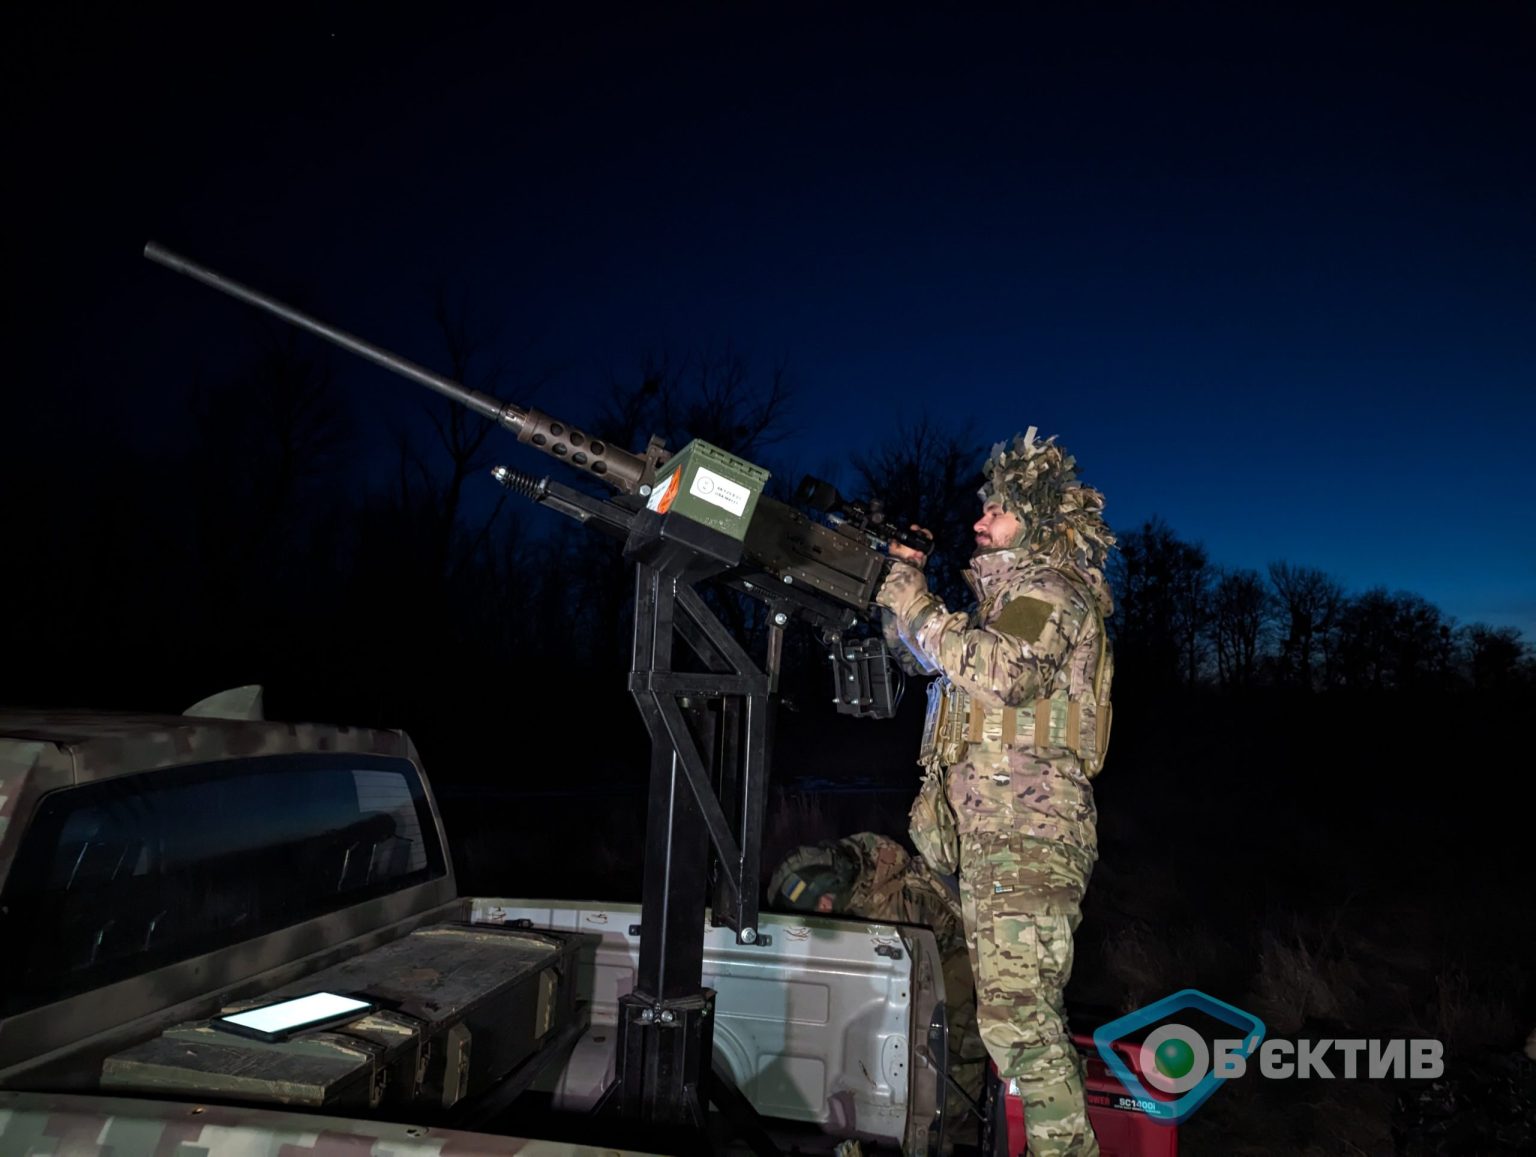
{"points": [[704, 484]]}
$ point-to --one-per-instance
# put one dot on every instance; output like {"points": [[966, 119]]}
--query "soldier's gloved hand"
{"points": [[906, 595], [916, 557]]}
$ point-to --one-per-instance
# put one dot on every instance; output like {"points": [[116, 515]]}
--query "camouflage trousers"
{"points": [[1021, 898]]}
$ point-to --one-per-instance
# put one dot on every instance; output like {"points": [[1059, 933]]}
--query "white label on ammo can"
{"points": [[720, 490]]}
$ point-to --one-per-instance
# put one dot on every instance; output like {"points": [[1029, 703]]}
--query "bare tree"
{"points": [[1394, 642], [1309, 605], [431, 484], [930, 475], [1242, 611], [714, 397], [267, 459], [1162, 585], [1498, 658]]}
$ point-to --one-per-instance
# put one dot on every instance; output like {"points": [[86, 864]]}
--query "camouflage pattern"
{"points": [[812, 872], [1023, 804], [87, 1126], [901, 889], [1002, 657], [44, 751], [895, 887], [1062, 519], [1022, 902], [41, 751]]}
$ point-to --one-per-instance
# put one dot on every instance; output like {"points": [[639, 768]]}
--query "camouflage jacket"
{"points": [[1035, 627], [902, 889], [890, 886]]}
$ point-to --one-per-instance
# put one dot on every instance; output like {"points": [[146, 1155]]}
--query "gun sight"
{"points": [[866, 519]]}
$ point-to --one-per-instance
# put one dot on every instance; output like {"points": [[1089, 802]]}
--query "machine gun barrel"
{"points": [[829, 574], [622, 470]]}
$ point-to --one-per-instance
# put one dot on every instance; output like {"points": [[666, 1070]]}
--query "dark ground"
{"points": [[1333, 866]]}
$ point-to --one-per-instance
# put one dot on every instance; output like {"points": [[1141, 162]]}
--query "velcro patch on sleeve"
{"points": [[1024, 618]]}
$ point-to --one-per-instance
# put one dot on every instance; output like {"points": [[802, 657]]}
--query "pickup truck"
{"points": [[159, 873]]}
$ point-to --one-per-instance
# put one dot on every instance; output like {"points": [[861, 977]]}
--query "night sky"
{"points": [[1268, 270]]}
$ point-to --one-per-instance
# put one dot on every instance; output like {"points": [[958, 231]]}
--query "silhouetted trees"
{"points": [[929, 475], [1497, 658], [1163, 592], [1393, 642], [1242, 619], [1183, 623], [1309, 607]]}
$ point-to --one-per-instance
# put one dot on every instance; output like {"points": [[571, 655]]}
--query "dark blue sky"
{"points": [[1269, 270]]}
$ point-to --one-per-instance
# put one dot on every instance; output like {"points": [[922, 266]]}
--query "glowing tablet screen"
{"points": [[295, 1014]]}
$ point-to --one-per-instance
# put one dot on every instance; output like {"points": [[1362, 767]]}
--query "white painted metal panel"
{"points": [[814, 1025]]}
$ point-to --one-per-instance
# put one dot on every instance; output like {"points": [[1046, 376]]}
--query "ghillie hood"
{"points": [[1061, 518]]}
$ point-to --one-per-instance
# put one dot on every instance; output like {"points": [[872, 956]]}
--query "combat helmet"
{"points": [[1060, 517], [809, 873]]}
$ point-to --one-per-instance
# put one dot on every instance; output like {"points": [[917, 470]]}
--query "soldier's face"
{"points": [[996, 528]]}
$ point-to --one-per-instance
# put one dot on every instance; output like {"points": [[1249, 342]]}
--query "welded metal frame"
{"points": [[710, 754]]}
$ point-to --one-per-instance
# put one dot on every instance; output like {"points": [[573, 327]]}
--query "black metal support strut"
{"points": [[709, 759]]}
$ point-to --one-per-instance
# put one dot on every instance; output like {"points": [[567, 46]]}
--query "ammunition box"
{"points": [[462, 1010], [705, 484]]}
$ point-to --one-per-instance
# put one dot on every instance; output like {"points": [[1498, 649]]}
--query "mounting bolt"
{"points": [[645, 491], [668, 1016], [780, 618], [789, 578], [647, 1016], [749, 935]]}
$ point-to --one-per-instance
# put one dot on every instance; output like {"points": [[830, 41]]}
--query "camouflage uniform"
{"points": [[892, 886], [1013, 810]]}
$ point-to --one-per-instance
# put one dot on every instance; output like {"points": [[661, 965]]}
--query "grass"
{"points": [[1301, 981]]}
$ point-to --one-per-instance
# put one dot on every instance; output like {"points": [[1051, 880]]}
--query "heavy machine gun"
{"points": [[693, 516]]}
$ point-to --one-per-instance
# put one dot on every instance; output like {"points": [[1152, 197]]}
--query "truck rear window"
{"points": [[120, 877]]}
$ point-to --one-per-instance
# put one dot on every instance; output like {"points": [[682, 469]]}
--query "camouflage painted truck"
{"points": [[159, 874]]}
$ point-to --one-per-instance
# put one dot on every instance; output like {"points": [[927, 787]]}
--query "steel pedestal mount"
{"points": [[710, 743]]}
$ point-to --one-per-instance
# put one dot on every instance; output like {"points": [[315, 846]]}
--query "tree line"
{"points": [[1185, 621]]}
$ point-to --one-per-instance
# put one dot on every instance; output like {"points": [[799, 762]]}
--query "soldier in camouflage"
{"points": [[872, 877], [1018, 725]]}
